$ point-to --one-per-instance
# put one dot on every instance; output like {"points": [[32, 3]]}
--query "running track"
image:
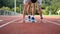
{"points": [[14, 25]]}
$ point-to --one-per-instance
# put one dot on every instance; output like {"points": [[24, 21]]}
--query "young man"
{"points": [[27, 3]]}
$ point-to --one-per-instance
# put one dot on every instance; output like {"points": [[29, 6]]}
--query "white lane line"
{"points": [[1, 20], [8, 23], [51, 22]]}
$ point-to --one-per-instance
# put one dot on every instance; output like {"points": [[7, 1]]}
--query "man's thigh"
{"points": [[26, 1]]}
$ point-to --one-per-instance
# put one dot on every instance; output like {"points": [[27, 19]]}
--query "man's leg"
{"points": [[29, 12], [33, 9], [33, 12], [28, 9]]}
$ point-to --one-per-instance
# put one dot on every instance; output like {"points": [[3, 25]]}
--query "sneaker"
{"points": [[33, 19], [29, 19]]}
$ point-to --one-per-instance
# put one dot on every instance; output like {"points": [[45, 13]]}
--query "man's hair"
{"points": [[33, 1]]}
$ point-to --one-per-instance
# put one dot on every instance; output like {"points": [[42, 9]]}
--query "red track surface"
{"points": [[40, 27]]}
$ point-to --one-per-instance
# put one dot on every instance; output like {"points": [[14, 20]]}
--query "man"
{"points": [[27, 3]]}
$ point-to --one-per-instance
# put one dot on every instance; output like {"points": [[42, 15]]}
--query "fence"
{"points": [[6, 12]]}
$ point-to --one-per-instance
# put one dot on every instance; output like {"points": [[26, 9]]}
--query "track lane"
{"points": [[40, 27]]}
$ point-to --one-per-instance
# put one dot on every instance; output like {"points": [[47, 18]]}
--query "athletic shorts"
{"points": [[39, 1]]}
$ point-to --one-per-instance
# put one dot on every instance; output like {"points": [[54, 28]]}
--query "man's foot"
{"points": [[29, 18], [33, 19]]}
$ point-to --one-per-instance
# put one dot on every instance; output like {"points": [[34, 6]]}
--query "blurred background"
{"points": [[15, 7]]}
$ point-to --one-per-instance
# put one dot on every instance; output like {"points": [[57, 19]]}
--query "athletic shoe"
{"points": [[33, 19], [29, 19]]}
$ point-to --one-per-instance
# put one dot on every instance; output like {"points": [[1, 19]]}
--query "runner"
{"points": [[27, 3]]}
